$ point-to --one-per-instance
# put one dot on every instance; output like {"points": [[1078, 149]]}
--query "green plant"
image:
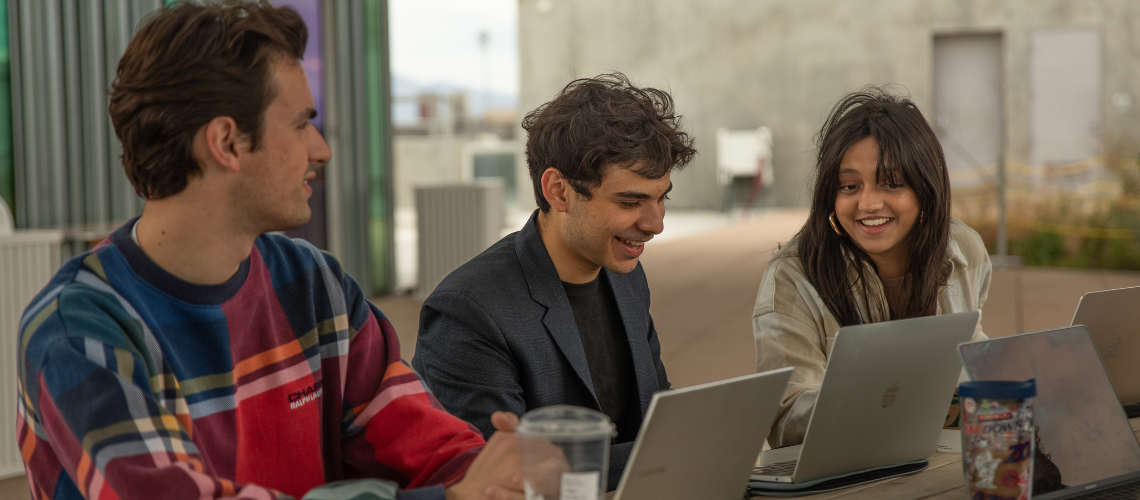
{"points": [[1112, 253], [1042, 249], [1121, 254]]}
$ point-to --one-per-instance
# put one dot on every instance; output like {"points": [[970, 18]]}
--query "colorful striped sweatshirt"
{"points": [[134, 384]]}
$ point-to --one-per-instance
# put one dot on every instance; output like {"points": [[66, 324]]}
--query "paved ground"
{"points": [[704, 286]]}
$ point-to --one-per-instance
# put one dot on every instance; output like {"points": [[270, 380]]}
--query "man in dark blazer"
{"points": [[558, 313]]}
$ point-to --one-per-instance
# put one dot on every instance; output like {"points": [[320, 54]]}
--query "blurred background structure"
{"points": [[455, 121], [1044, 87]]}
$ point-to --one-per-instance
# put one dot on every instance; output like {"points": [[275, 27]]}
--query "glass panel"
{"points": [[379, 167], [7, 179]]}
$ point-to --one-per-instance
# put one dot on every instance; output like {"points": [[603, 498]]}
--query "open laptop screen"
{"points": [[1080, 424]]}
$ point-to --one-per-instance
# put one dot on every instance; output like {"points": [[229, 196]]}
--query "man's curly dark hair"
{"points": [[1046, 474], [595, 123]]}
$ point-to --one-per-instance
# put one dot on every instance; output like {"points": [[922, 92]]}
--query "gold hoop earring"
{"points": [[921, 215], [834, 226]]}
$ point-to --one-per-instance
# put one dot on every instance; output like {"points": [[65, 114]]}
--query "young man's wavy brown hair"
{"points": [[595, 123], [187, 65]]}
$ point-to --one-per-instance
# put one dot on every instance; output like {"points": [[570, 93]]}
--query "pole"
{"points": [[1002, 230]]}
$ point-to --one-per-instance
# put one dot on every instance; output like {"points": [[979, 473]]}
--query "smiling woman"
{"points": [[878, 245], [877, 214]]}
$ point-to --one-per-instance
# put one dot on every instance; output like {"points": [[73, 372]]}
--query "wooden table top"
{"points": [[943, 480]]}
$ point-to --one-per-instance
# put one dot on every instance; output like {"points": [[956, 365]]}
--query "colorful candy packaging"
{"points": [[997, 438]]}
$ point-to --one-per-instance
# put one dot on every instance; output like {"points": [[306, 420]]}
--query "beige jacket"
{"points": [[793, 327]]}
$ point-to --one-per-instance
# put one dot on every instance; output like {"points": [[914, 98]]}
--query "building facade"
{"points": [[1035, 82]]}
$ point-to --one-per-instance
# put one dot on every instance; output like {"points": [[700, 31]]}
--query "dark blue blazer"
{"points": [[498, 334]]}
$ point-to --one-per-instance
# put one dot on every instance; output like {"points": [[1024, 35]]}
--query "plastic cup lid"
{"points": [[565, 423], [998, 389]]}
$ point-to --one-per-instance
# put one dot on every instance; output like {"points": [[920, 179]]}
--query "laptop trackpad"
{"points": [[779, 455]]}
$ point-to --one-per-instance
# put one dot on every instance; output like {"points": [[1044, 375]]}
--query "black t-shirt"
{"points": [[607, 353]]}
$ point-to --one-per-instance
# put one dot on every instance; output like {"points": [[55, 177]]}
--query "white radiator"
{"points": [[28, 260], [455, 222]]}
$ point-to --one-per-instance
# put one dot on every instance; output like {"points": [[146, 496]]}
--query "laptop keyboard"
{"points": [[1124, 491], [785, 468]]}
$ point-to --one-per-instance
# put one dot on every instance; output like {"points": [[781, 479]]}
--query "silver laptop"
{"points": [[882, 400], [1086, 447], [701, 441], [1112, 318]]}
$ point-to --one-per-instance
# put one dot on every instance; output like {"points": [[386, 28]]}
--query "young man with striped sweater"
{"points": [[192, 355]]}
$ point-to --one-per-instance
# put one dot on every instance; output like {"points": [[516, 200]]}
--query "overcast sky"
{"points": [[437, 42]]}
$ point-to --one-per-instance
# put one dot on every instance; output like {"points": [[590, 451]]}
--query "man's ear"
{"points": [[556, 189], [221, 142]]}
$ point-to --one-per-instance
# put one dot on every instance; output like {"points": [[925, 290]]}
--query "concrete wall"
{"points": [[784, 63]]}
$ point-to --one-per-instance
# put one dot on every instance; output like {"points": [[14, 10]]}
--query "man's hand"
{"points": [[496, 472]]}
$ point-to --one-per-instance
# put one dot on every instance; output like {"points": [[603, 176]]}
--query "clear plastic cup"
{"points": [[997, 438], [565, 453]]}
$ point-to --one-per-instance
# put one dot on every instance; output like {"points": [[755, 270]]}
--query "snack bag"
{"points": [[997, 439]]}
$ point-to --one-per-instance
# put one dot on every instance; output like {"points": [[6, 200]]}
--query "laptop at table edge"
{"points": [[953, 370], [1115, 339], [1079, 490], [770, 409]]}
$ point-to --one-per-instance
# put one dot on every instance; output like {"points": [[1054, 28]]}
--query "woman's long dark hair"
{"points": [[907, 148]]}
